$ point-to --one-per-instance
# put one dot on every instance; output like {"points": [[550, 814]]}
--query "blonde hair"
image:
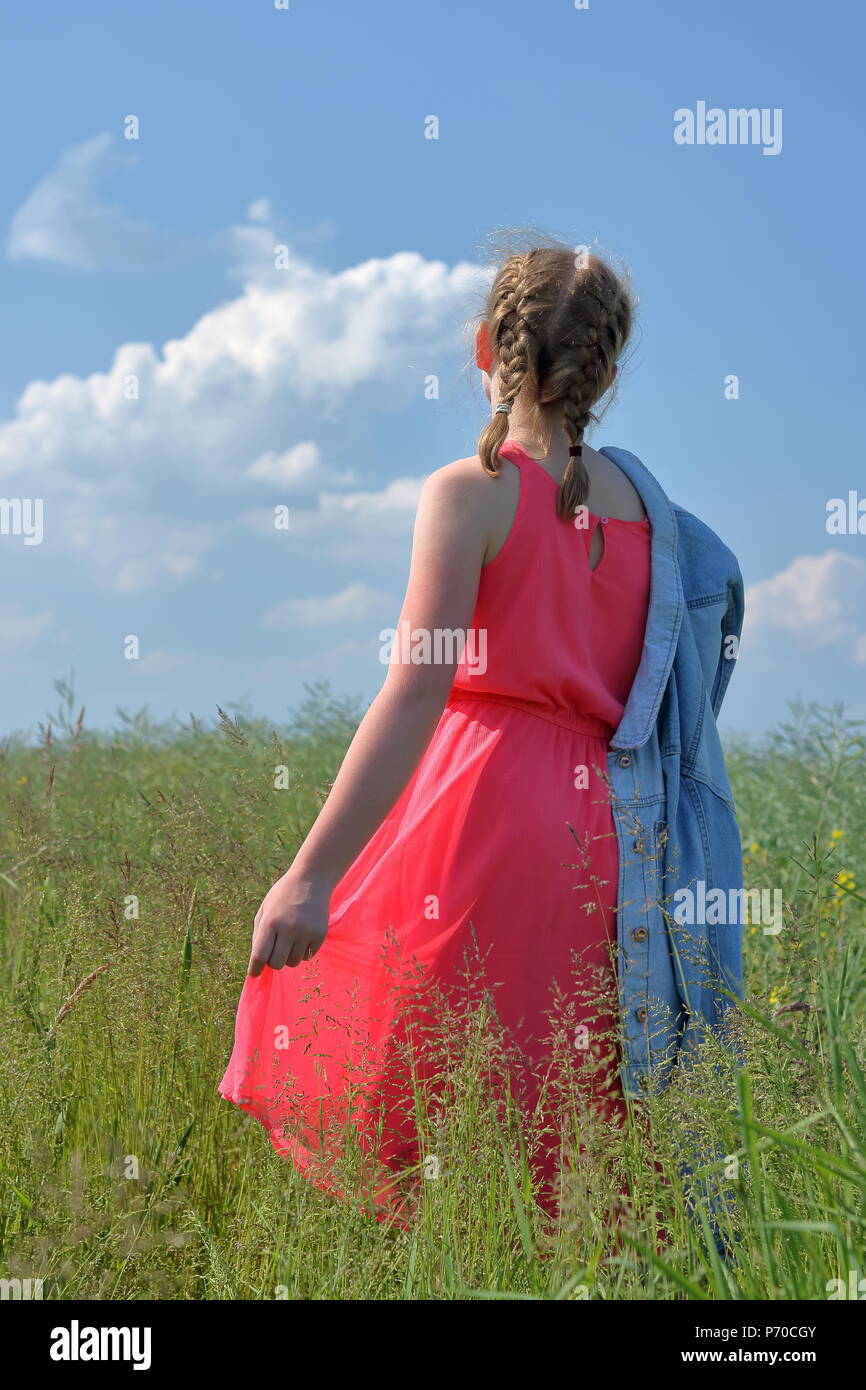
{"points": [[558, 321]]}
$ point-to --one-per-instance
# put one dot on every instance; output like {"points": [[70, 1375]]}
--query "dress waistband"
{"points": [[580, 723]]}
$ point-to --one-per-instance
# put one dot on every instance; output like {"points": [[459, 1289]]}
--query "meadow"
{"points": [[131, 863]]}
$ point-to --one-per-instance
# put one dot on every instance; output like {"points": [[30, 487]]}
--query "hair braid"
{"points": [[558, 323], [511, 333]]}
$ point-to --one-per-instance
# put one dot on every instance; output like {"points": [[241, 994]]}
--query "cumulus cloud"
{"points": [[137, 457], [818, 599], [65, 220], [300, 466], [349, 525], [356, 523], [220, 394], [257, 248], [354, 604]]}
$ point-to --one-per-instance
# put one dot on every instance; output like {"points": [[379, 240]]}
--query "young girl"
{"points": [[522, 802]]}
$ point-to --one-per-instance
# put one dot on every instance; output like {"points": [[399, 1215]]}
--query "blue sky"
{"points": [[304, 386]]}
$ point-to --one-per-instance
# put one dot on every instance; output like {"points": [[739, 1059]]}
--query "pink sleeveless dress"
{"points": [[493, 879]]}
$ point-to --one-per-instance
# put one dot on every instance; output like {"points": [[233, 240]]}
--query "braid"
{"points": [[587, 333], [511, 332], [558, 324], [581, 393]]}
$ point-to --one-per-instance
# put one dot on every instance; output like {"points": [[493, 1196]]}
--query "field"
{"points": [[131, 864]]}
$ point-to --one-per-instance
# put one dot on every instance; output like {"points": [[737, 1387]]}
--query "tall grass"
{"points": [[131, 864]]}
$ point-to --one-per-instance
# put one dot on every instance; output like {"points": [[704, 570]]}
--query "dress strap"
{"points": [[517, 455]]}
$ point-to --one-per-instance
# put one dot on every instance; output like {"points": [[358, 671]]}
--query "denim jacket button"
{"points": [[624, 760], [643, 1082], [639, 846], [641, 1014], [640, 933]]}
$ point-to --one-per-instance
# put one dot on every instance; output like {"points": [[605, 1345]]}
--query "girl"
{"points": [[513, 806]]}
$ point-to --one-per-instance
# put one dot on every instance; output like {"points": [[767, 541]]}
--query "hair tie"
{"points": [[502, 410], [575, 451]]}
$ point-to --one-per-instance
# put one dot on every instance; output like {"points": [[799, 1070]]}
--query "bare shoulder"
{"points": [[471, 505], [464, 483], [466, 477]]}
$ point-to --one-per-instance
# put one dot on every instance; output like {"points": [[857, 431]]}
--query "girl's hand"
{"points": [[291, 923]]}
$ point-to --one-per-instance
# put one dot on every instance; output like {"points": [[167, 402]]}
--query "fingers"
{"points": [[298, 953], [254, 954], [280, 941], [313, 946], [278, 949], [263, 944]]}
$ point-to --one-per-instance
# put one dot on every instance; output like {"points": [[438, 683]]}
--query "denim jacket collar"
{"points": [[665, 613]]}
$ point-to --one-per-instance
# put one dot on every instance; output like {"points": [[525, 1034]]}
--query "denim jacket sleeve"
{"points": [[732, 627]]}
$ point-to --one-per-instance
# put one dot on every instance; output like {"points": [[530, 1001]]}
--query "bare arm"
{"points": [[451, 535]]}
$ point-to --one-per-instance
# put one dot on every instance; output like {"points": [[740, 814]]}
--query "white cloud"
{"points": [[349, 524], [258, 246], [18, 629], [296, 465], [820, 599], [354, 604], [132, 478], [64, 220], [299, 466], [232, 386], [358, 523]]}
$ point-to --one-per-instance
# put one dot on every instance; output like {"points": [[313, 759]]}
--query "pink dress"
{"points": [[493, 879]]}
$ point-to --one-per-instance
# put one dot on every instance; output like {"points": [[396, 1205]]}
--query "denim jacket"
{"points": [[673, 808]]}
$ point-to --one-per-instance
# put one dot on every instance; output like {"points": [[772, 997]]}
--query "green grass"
{"points": [[125, 1176]]}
